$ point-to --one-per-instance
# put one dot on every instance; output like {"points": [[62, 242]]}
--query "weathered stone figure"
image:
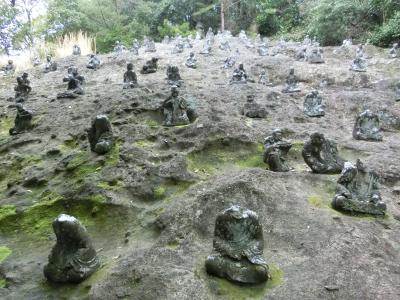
{"points": [[242, 35], [315, 56], [229, 62], [149, 45], [239, 75], [291, 83], [130, 78], [238, 247], [357, 191], [118, 47], [262, 50], [76, 50], [150, 66], [210, 36], [9, 69], [252, 109], [206, 48], [94, 62], [135, 47], [73, 258], [321, 155], [173, 76], [176, 110], [49, 66], [367, 127], [301, 54], [225, 46], [22, 121], [359, 64], [313, 106], [100, 135], [36, 61], [276, 150], [75, 82], [179, 47], [22, 89], [263, 78], [394, 51], [191, 61]]}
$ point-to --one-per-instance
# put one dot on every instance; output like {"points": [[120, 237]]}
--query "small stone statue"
{"points": [[263, 78], [22, 89], [291, 83], [76, 50], [50, 66], [360, 52], [367, 127], [150, 66], [173, 76], [242, 35], [9, 69], [36, 61], [118, 47], [94, 62], [176, 110], [100, 135], [206, 48], [191, 61], [313, 106], [301, 54], [22, 121], [130, 78], [357, 191], [252, 109], [262, 50], [238, 247], [225, 46], [239, 75], [276, 150], [75, 82], [321, 155], [315, 56], [359, 64], [135, 47], [149, 45], [179, 47], [187, 42], [229, 62], [394, 51], [73, 258], [210, 36]]}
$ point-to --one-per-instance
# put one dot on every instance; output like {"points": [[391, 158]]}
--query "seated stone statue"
{"points": [[135, 47], [36, 61], [176, 110], [118, 47], [206, 48], [225, 46], [394, 51], [252, 109], [94, 62], [22, 121], [178, 48], [291, 83], [276, 150], [100, 135], [229, 62], [191, 61], [76, 50], [238, 247], [22, 89], [73, 258], [313, 106], [150, 66], [239, 75], [149, 45], [75, 82], [321, 155], [315, 56], [357, 191], [9, 69], [173, 76], [359, 64], [49, 66], [367, 127], [262, 50], [263, 78], [360, 52], [130, 78], [301, 54]]}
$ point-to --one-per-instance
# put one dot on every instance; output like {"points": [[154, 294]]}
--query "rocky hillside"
{"points": [[150, 204]]}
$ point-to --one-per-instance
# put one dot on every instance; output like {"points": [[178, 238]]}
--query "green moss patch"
{"points": [[5, 125], [315, 201], [6, 211], [4, 253], [170, 188], [275, 276], [113, 185]]}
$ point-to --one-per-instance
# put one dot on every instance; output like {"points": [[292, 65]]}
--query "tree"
{"points": [[9, 26]]}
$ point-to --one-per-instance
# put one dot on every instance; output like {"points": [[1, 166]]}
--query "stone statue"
{"points": [[49, 66], [73, 258], [301, 54], [176, 110], [263, 78], [242, 35], [359, 64], [360, 52], [100, 135], [313, 106], [367, 127], [94, 62], [394, 51], [118, 47], [262, 50], [252, 109], [238, 247], [36, 61], [191, 61], [239, 75], [206, 48], [150, 66], [225, 46], [321, 155], [22, 89], [210, 36], [276, 150], [173, 76], [179, 47], [75, 82], [130, 78], [229, 62], [187, 42], [291, 83], [9, 69], [149, 45], [76, 50], [315, 56], [135, 47], [22, 121], [357, 191]]}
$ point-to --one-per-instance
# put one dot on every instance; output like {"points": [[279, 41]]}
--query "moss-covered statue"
{"points": [[94, 62], [75, 81], [176, 110], [191, 61], [150, 66], [239, 75], [276, 150], [291, 83], [367, 127], [50, 65], [73, 258], [358, 191], [22, 89], [100, 135], [8, 69], [130, 78], [252, 109], [22, 121], [173, 76], [315, 56], [321, 155], [313, 106], [238, 247]]}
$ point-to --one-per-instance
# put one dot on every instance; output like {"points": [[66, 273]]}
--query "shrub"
{"points": [[170, 29], [388, 33]]}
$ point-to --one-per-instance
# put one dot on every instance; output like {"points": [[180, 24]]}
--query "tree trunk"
{"points": [[222, 15]]}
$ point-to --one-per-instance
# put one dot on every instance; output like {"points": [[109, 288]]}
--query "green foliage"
{"points": [[388, 33], [170, 29]]}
